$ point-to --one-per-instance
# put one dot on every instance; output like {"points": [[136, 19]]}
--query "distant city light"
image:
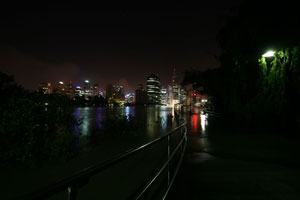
{"points": [[269, 54], [60, 82], [87, 81], [78, 87]]}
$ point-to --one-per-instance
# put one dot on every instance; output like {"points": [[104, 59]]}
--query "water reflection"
{"points": [[129, 111], [156, 118], [203, 122], [159, 120], [99, 117], [194, 123], [199, 123], [76, 128]]}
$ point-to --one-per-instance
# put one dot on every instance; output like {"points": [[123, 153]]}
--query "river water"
{"points": [[155, 117]]}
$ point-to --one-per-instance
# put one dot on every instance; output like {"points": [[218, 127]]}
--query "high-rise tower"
{"points": [[153, 89]]}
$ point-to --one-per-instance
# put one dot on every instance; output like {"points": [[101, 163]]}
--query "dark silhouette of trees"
{"points": [[34, 127], [261, 89], [247, 86]]}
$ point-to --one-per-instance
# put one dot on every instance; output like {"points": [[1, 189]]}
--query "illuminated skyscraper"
{"points": [[153, 89], [164, 96], [175, 87], [87, 88]]}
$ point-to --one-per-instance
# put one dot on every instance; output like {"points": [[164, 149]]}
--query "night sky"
{"points": [[73, 42]]}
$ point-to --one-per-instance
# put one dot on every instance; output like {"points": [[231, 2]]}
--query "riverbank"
{"points": [[19, 180]]}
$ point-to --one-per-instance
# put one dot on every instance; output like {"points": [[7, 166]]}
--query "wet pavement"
{"points": [[220, 165]]}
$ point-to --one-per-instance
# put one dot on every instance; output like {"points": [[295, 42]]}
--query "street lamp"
{"points": [[269, 54]]}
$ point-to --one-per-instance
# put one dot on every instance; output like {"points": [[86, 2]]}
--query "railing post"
{"points": [[168, 159], [72, 193]]}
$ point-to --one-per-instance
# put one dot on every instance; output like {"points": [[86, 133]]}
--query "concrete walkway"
{"points": [[218, 165]]}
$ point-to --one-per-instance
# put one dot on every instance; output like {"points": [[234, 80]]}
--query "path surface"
{"points": [[218, 165]]}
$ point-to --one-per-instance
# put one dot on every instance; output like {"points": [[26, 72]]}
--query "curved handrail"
{"points": [[72, 183]]}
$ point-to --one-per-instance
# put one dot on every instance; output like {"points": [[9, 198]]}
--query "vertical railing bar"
{"points": [[69, 190], [146, 186], [177, 168], [168, 159], [72, 192]]}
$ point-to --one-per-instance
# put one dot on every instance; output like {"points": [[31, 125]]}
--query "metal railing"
{"points": [[73, 183]]}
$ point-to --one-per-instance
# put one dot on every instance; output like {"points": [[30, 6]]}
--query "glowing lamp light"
{"points": [[87, 81], [269, 54], [60, 82], [78, 87]]}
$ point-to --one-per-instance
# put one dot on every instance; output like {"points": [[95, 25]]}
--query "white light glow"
{"points": [[60, 82], [203, 122], [269, 54], [87, 81]]}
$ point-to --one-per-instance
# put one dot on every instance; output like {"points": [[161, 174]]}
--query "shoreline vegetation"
{"points": [[38, 128]]}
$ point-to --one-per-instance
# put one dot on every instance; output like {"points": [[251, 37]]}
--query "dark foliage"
{"points": [[251, 89], [34, 127], [249, 92]]}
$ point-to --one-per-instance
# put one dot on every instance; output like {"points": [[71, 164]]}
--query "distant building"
{"points": [[114, 93], [170, 94], [110, 92], [119, 92], [95, 89], [129, 97], [164, 96], [103, 93], [87, 88], [79, 91], [140, 95], [175, 88], [46, 88], [183, 96], [70, 89], [153, 89], [60, 88]]}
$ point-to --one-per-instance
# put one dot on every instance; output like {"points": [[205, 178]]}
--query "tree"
{"points": [[250, 91], [34, 127]]}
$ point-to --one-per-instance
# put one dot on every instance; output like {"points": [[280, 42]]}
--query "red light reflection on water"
{"points": [[194, 123]]}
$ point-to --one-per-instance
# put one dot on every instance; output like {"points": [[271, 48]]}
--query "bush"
{"points": [[36, 128]]}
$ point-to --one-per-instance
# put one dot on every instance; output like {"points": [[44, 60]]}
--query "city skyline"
{"points": [[79, 41], [100, 85]]}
